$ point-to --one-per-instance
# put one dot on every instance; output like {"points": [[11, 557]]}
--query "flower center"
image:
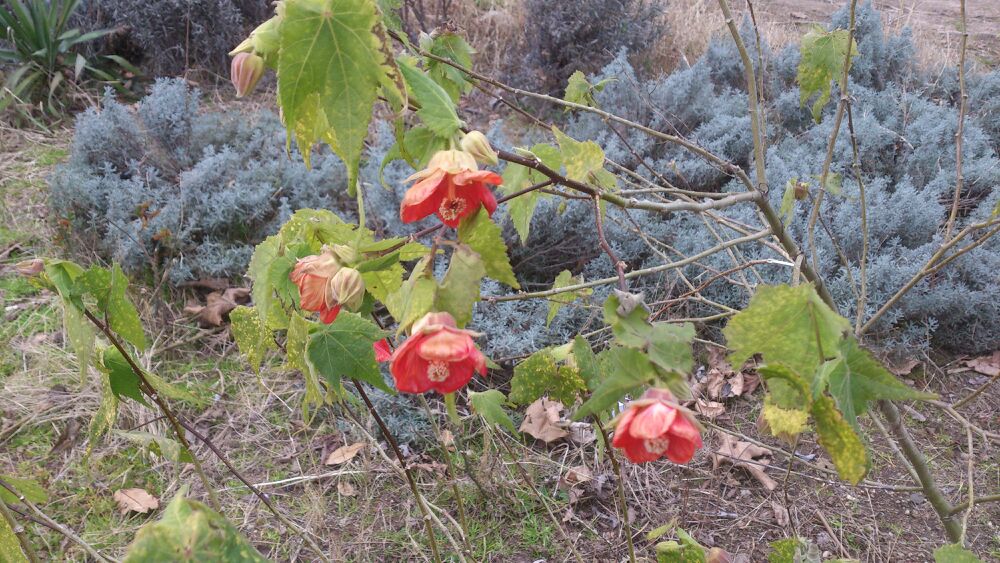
{"points": [[451, 208], [656, 445], [438, 371]]}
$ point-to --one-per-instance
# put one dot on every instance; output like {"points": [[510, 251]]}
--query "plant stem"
{"points": [[19, 532], [406, 469], [150, 391], [962, 106], [53, 525], [620, 486], [916, 459], [452, 474], [180, 426]]}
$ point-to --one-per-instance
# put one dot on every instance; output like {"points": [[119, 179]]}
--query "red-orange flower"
{"points": [[451, 187], [313, 274], [654, 426], [437, 356]]}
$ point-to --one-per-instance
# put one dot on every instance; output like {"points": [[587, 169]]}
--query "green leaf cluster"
{"points": [[580, 91], [542, 375], [814, 367]]}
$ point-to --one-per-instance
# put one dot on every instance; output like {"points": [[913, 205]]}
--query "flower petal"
{"points": [[446, 346], [653, 421], [459, 374], [423, 198]]}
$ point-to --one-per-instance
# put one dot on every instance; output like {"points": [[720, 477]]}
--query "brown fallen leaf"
{"points": [[780, 514], [343, 454], [218, 305], [744, 454], [582, 433], [578, 474], [751, 381], [346, 489], [709, 409], [986, 365], [135, 500], [714, 383], [735, 384], [541, 420], [900, 366]]}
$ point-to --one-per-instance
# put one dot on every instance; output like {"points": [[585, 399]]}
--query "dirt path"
{"points": [[935, 23]]}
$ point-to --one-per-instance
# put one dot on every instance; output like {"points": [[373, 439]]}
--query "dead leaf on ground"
{"points": [[214, 284], [745, 455], [986, 365], [135, 500], [709, 409], [900, 366], [448, 440], [343, 454], [780, 514], [541, 420], [346, 489], [582, 433], [751, 381], [578, 474], [218, 304]]}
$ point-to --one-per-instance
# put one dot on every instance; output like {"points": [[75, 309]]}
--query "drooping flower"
{"points": [[654, 426], [313, 275], [383, 352], [245, 72], [451, 187], [437, 356], [476, 144]]}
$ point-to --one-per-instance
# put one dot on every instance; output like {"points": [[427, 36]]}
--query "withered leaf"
{"points": [[541, 420], [343, 454], [709, 409], [218, 304], [745, 455], [135, 500]]}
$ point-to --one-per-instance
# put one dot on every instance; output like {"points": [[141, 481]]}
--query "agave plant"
{"points": [[41, 52]]}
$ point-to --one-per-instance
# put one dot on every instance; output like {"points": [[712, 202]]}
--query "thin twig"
{"points": [[976, 393], [53, 525], [962, 106], [19, 532]]}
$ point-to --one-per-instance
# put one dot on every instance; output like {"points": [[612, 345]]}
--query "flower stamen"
{"points": [[437, 371]]}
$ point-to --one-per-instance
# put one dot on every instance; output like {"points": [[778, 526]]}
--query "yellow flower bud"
{"points": [[348, 288], [245, 72], [475, 143]]}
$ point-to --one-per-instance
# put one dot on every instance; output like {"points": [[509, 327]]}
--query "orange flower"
{"points": [[452, 187], [313, 275], [654, 426], [437, 356]]}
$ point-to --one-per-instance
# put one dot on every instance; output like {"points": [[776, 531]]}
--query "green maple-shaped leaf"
{"points": [[667, 346], [565, 279], [787, 325], [459, 291], [489, 405], [584, 161], [343, 348], [484, 236], [190, 532], [840, 440], [251, 335], [521, 208], [453, 47], [124, 381], [295, 351], [822, 61], [414, 298], [625, 371], [856, 379], [540, 375], [330, 68], [437, 110]]}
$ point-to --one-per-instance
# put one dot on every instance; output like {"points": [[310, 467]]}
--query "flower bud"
{"points": [[475, 143], [30, 268], [245, 72], [347, 287], [345, 254]]}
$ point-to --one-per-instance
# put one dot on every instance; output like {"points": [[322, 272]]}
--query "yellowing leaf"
{"points": [[539, 375], [784, 422], [840, 441], [565, 279], [787, 325], [252, 337], [823, 54], [584, 161]]}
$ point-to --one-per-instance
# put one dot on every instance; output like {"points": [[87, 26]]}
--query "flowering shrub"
{"points": [[334, 62]]}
